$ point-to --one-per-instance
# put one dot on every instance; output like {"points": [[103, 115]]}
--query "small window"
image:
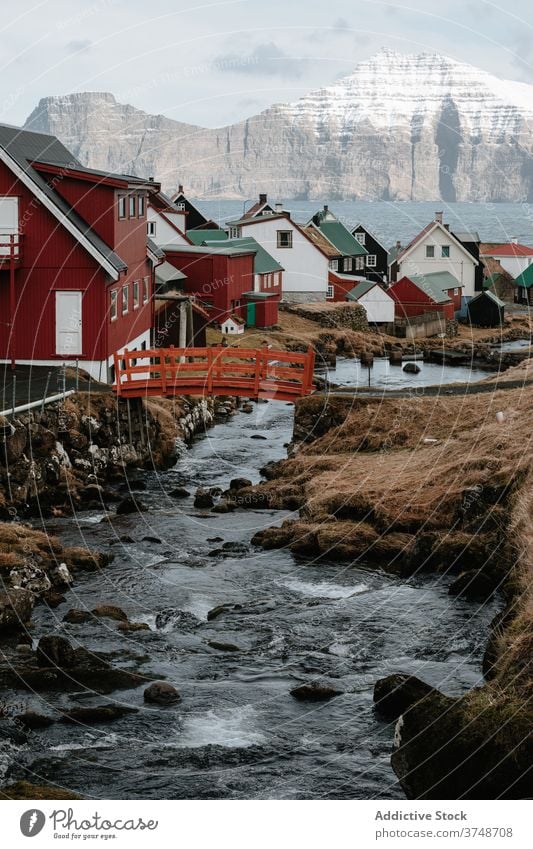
{"points": [[146, 289], [445, 251], [136, 300], [334, 264], [361, 238], [181, 206], [430, 251], [140, 206], [121, 206], [235, 232], [125, 298], [359, 263], [150, 228], [132, 205], [113, 304], [284, 238], [455, 292], [371, 260], [330, 292], [347, 263]]}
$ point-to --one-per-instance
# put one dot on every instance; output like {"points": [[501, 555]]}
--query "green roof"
{"points": [[340, 236], [361, 289], [491, 280], [263, 262], [525, 280], [198, 237], [436, 284]]}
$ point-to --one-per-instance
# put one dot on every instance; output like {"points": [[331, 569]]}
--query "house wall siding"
{"points": [[458, 263]]}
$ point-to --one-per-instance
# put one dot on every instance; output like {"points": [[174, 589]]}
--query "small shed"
{"points": [[486, 310], [377, 302], [233, 325]]}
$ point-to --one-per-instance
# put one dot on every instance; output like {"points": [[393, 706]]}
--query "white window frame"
{"points": [[125, 299], [371, 260], [347, 263], [132, 206], [122, 208], [444, 248], [359, 263], [140, 206], [113, 305], [430, 251], [288, 234], [181, 206], [151, 228], [330, 291], [146, 290], [361, 238], [136, 295], [235, 232], [334, 264]]}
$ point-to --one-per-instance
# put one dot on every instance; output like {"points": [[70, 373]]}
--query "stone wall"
{"points": [[340, 316]]}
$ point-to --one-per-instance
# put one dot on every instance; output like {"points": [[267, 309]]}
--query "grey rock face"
{"points": [[418, 127]]}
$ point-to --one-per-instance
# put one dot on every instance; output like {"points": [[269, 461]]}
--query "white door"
{"points": [[68, 323], [9, 222]]}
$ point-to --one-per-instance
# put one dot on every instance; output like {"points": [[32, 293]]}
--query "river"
{"points": [[237, 732]]}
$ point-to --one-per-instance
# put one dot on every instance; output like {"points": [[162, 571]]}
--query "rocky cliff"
{"points": [[400, 127]]}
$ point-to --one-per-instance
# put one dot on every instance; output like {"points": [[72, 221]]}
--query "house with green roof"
{"points": [[203, 237], [524, 284], [346, 253]]}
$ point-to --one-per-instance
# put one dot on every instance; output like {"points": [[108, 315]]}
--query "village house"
{"points": [[513, 257], [166, 223], [378, 303], [430, 293], [486, 310], [305, 264], [233, 325], [377, 257], [76, 265], [218, 277], [195, 219], [347, 254], [436, 249], [524, 286]]}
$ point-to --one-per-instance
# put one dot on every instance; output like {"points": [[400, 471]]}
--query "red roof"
{"points": [[510, 249]]}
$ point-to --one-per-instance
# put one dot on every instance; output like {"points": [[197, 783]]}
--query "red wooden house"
{"points": [[416, 295], [218, 276], [76, 279]]}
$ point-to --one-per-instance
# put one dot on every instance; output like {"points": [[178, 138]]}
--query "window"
{"points": [[371, 260], [136, 300], [121, 206], [235, 232], [455, 292], [132, 205], [150, 228], [347, 264], [330, 292], [113, 304], [445, 251], [359, 263], [181, 206], [125, 298], [361, 238], [430, 251], [140, 206], [284, 238], [146, 289], [334, 264]]}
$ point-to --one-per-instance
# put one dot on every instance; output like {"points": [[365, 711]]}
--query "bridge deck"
{"points": [[247, 372]]}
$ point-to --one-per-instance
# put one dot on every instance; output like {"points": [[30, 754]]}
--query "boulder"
{"points": [[474, 585], [203, 499], [110, 611], [16, 607], [161, 693], [74, 616], [239, 483], [247, 408], [154, 540], [133, 626], [30, 577], [395, 694], [53, 650], [258, 436], [179, 492], [221, 646], [130, 505], [93, 715], [411, 368], [32, 720], [314, 692]]}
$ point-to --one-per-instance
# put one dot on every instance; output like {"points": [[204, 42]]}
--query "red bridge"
{"points": [[247, 372]]}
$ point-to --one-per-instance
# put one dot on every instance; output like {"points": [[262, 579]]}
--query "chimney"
{"points": [[514, 240], [180, 188], [438, 217], [262, 198], [279, 207], [326, 208], [398, 246]]}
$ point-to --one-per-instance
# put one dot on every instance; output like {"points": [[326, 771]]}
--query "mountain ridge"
{"points": [[399, 127]]}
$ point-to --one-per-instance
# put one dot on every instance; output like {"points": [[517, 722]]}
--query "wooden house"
{"points": [[486, 310], [377, 257], [378, 303], [513, 257], [415, 297], [346, 253]]}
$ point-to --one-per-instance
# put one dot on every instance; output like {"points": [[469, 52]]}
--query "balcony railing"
{"points": [[10, 247]]}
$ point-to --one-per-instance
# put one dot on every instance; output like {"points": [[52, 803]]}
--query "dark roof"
{"points": [[340, 236], [369, 233], [525, 280], [440, 281], [198, 237], [155, 249], [24, 147], [487, 294], [361, 289]]}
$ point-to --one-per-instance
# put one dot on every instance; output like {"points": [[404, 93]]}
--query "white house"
{"points": [[165, 222], [305, 264], [514, 258], [433, 250], [233, 325], [377, 302]]}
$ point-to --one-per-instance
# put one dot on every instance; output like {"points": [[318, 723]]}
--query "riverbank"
{"points": [[416, 485]]}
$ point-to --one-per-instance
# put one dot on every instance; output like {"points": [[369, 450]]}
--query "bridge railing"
{"points": [[256, 373]]}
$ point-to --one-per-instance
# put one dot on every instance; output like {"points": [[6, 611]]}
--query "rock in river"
{"points": [[16, 607], [99, 713], [161, 693], [203, 499], [411, 368], [130, 505], [394, 694], [314, 692]]}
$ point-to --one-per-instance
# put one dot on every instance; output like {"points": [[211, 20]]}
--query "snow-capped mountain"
{"points": [[400, 127]]}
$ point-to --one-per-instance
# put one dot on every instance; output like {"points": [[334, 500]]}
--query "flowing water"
{"points": [[383, 375], [238, 733]]}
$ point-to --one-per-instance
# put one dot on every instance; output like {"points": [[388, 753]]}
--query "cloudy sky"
{"points": [[212, 63]]}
